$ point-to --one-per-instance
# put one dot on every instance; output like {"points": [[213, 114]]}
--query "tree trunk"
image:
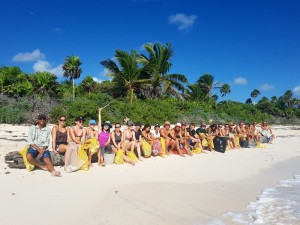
{"points": [[73, 89]]}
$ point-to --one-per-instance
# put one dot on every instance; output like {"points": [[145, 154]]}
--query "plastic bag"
{"points": [[132, 156], [197, 150], [92, 145], [163, 147], [72, 160], [119, 157], [146, 149], [204, 142], [23, 152]]}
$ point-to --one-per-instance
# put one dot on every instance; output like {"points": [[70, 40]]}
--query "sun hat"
{"points": [[167, 123], [178, 125], [107, 123], [78, 118], [92, 122], [129, 123], [42, 117]]}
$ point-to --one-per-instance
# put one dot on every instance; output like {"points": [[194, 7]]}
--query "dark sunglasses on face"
{"points": [[62, 120], [117, 127]]}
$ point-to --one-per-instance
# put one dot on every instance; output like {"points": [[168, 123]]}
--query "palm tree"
{"points": [[72, 70], [88, 84], [194, 93], [225, 89], [44, 83], [248, 101], [287, 97], [254, 95], [206, 84], [157, 66], [126, 74]]}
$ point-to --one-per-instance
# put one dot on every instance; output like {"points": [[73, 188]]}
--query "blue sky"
{"points": [[249, 44]]}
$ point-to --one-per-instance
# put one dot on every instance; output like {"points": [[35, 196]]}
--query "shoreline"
{"points": [[173, 190]]}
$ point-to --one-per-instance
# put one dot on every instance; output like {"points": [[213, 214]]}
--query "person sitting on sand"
{"points": [[185, 138], [138, 139], [39, 141], [194, 138], [60, 136], [267, 132], [179, 141], [201, 132], [156, 147], [103, 138], [129, 137], [116, 138], [91, 141], [147, 140], [212, 132], [78, 132], [229, 136], [165, 133]]}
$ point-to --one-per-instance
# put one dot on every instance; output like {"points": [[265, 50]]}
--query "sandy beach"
{"points": [[212, 188]]}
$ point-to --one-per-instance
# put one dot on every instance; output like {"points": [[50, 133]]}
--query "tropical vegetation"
{"points": [[141, 88]]}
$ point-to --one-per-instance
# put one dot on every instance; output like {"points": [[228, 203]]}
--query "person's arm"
{"points": [[113, 140], [99, 120], [162, 134], [30, 140], [133, 136], [83, 135], [54, 129]]}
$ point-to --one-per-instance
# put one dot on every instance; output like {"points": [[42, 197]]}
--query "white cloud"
{"points": [[43, 65], [182, 21], [296, 91], [97, 80], [266, 87], [28, 56], [105, 72], [240, 80]]}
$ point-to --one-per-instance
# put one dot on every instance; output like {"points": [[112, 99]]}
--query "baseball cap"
{"points": [[92, 122], [183, 124], [129, 123], [78, 118], [156, 125], [178, 125]]}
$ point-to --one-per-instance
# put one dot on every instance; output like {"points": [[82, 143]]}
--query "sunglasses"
{"points": [[43, 119], [62, 120], [79, 121], [117, 127]]}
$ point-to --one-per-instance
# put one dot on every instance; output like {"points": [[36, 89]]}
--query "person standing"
{"points": [[39, 141]]}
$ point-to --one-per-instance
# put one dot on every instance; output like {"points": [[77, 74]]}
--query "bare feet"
{"points": [[56, 173]]}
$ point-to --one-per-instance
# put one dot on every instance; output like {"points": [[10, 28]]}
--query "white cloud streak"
{"points": [[29, 56], [43, 65], [182, 21], [266, 87], [296, 91], [240, 80]]}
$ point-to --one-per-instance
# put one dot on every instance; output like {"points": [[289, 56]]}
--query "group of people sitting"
{"points": [[78, 144]]}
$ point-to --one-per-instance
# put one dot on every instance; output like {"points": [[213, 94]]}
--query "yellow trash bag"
{"points": [[132, 156], [237, 141], [23, 152], [163, 147], [92, 145], [210, 143], [84, 157], [119, 157], [260, 145], [146, 149], [204, 142], [197, 150]]}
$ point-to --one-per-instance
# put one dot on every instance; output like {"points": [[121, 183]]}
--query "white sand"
{"points": [[203, 189]]}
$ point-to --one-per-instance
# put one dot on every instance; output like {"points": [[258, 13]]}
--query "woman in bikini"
{"points": [[184, 141], [147, 141], [60, 136], [78, 132], [129, 138], [116, 138], [176, 133]]}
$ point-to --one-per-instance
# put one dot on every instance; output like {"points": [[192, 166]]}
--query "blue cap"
{"points": [[92, 122]]}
